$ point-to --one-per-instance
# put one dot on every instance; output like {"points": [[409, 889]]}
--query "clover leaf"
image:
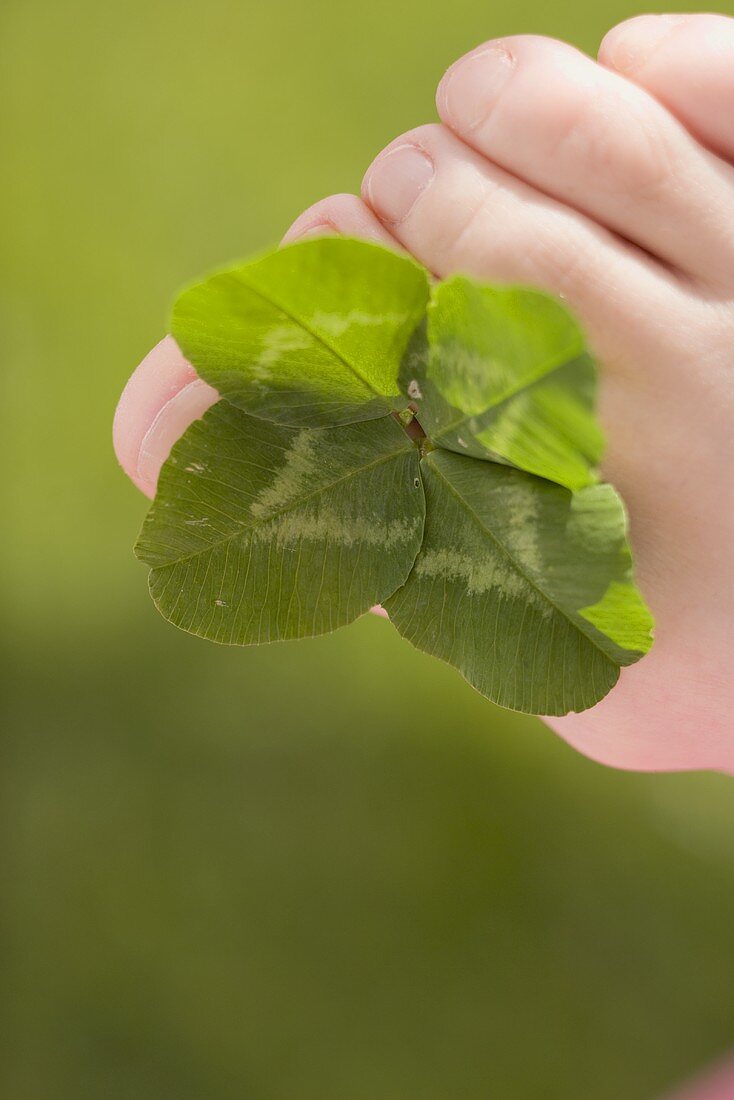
{"points": [[508, 378], [522, 585], [379, 440], [313, 334], [261, 532]]}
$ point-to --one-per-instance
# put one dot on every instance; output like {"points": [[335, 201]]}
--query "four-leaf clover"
{"points": [[432, 448]]}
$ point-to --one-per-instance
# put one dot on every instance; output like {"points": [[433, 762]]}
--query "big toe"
{"points": [[686, 62]]}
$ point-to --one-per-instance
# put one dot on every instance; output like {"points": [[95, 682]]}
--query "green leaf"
{"points": [[312, 334], [508, 379], [261, 532], [298, 501], [523, 586]]}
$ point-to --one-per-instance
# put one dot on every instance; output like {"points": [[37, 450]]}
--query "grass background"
{"points": [[322, 870]]}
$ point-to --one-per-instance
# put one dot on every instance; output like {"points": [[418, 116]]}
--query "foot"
{"points": [[611, 184]]}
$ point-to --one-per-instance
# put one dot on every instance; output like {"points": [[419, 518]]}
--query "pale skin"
{"points": [[610, 183]]}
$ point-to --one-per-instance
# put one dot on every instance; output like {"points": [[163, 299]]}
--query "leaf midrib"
{"points": [[212, 546], [544, 595], [272, 301]]}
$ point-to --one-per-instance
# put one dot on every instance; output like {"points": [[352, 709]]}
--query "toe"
{"points": [[687, 63], [346, 215], [164, 395], [592, 139], [456, 211]]}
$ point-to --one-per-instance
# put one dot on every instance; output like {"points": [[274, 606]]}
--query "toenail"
{"points": [[472, 86], [631, 44], [396, 180]]}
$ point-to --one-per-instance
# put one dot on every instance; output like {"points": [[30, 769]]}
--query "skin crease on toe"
{"points": [[632, 727]]}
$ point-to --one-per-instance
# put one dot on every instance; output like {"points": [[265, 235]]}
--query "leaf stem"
{"points": [[410, 425]]}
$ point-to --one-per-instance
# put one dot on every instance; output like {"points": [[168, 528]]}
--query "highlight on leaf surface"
{"points": [[308, 493]]}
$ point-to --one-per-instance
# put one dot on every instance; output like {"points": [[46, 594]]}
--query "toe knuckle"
{"points": [[493, 239], [623, 151]]}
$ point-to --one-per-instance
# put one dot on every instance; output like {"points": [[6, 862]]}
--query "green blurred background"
{"points": [[322, 870]]}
